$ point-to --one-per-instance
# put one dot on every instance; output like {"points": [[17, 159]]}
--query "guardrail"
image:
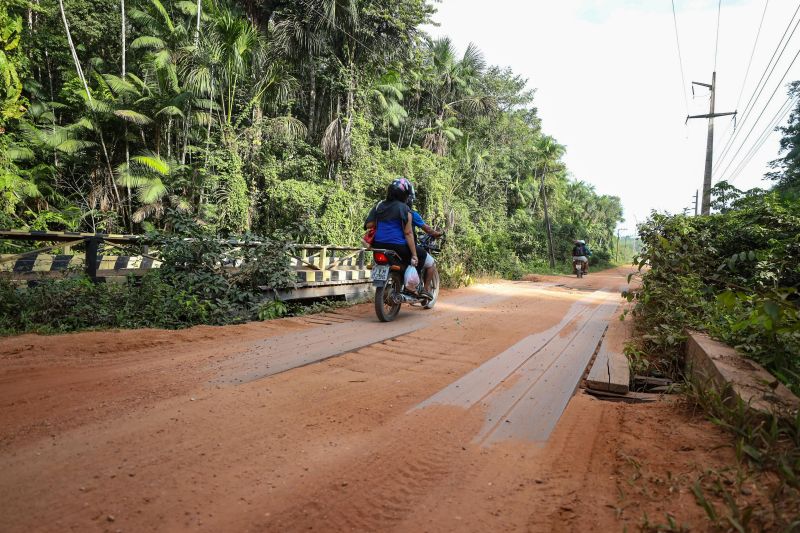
{"points": [[316, 265]]}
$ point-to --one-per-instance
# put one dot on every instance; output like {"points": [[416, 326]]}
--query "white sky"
{"points": [[609, 85]]}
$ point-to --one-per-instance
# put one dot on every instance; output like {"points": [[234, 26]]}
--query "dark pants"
{"points": [[404, 252]]}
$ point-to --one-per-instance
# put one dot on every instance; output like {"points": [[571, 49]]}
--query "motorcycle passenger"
{"points": [[429, 265], [581, 253], [393, 222]]}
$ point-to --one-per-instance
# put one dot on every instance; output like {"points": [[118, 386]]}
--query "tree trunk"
{"points": [[79, 70], [547, 225], [127, 144], [312, 100], [197, 29]]}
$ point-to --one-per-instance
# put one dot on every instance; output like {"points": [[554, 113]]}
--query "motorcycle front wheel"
{"points": [[385, 305]]}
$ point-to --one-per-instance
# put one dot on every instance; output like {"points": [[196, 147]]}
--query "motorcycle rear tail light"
{"points": [[380, 258]]}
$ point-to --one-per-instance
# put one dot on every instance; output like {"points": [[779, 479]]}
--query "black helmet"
{"points": [[399, 190]]}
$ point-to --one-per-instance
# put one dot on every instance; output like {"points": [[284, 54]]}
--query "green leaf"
{"points": [[773, 310], [147, 41], [170, 111], [152, 191], [133, 116], [153, 162]]}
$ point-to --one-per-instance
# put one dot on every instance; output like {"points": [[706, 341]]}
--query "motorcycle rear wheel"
{"points": [[385, 305]]}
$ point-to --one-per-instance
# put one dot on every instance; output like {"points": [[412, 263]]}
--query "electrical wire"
{"points": [[780, 83], [747, 72], [777, 119], [762, 83], [752, 54], [680, 59]]}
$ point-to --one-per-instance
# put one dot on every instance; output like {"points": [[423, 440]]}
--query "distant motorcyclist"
{"points": [[580, 252], [429, 266]]}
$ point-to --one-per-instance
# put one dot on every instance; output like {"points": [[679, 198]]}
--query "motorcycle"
{"points": [[579, 267], [388, 278]]}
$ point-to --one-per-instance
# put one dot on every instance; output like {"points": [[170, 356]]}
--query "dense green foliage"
{"points": [[254, 116], [786, 173], [734, 275]]}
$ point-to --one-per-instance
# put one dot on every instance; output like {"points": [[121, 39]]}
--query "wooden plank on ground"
{"points": [[610, 372]]}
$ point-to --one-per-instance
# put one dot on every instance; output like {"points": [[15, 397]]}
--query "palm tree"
{"points": [[156, 182], [451, 86], [548, 161]]}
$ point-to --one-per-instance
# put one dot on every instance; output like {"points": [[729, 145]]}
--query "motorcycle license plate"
{"points": [[380, 272]]}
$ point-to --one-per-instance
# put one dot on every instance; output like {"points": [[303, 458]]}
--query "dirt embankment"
{"points": [[192, 430]]}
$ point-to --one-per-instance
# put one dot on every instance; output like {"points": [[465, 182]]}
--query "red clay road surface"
{"points": [[444, 420]]}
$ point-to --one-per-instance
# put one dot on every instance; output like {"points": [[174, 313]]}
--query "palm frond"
{"points": [[146, 211], [98, 106], [135, 117], [288, 127], [170, 111], [119, 85], [73, 146], [153, 162], [19, 153], [147, 41], [164, 15], [201, 118], [83, 124], [152, 191]]}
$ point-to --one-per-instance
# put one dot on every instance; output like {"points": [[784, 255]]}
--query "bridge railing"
{"points": [[315, 264]]}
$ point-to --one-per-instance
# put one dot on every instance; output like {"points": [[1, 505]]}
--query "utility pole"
{"points": [[696, 194], [617, 245], [706, 209]]}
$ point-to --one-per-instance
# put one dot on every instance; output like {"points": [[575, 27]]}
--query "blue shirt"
{"points": [[391, 219], [416, 219]]}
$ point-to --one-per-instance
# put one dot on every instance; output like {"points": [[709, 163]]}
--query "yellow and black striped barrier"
{"points": [[315, 265]]}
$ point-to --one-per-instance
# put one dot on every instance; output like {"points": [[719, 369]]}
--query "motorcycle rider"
{"points": [[429, 265], [392, 219], [580, 253]]}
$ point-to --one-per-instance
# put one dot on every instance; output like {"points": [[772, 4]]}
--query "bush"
{"points": [[734, 275]]}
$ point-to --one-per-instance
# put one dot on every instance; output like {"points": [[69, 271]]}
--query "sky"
{"points": [[609, 86]]}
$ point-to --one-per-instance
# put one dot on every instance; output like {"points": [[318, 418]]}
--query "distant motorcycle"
{"points": [[388, 278], [579, 267]]}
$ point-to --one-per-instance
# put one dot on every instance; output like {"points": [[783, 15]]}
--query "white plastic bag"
{"points": [[411, 278]]}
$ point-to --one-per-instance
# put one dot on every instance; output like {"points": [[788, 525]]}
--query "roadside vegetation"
{"points": [[256, 117], [735, 275]]}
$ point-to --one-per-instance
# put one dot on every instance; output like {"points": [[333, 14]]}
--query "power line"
{"points": [[747, 72], [716, 46], [752, 54], [777, 119], [765, 133], [762, 112], [680, 58], [757, 91]]}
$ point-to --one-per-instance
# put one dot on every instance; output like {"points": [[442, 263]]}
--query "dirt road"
{"points": [[444, 420]]}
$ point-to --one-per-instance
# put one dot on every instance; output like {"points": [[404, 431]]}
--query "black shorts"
{"points": [[403, 251]]}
